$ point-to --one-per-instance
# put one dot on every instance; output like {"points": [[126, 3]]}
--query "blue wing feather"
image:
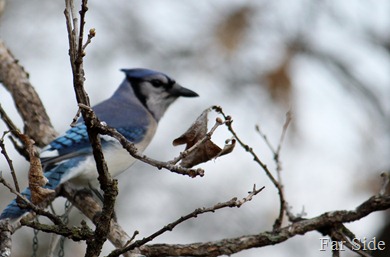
{"points": [[69, 150], [73, 138], [75, 143], [133, 134]]}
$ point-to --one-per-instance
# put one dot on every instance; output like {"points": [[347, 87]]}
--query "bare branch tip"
{"points": [[217, 108], [386, 179], [92, 32], [219, 121]]}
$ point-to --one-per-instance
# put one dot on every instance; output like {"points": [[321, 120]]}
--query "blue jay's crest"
{"points": [[141, 74], [134, 110]]}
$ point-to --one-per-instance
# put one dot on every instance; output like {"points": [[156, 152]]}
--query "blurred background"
{"points": [[326, 61]]}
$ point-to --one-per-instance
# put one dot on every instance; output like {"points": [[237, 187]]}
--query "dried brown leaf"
{"points": [[196, 132], [205, 149], [36, 179]]}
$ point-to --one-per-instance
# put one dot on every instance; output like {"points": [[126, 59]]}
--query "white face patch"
{"points": [[157, 98]]}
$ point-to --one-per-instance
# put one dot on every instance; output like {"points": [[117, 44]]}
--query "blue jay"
{"points": [[134, 110]]}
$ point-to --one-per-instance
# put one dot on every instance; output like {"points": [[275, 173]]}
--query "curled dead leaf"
{"points": [[36, 179], [199, 147]]}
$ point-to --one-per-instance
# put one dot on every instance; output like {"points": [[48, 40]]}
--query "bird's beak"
{"points": [[178, 90]]}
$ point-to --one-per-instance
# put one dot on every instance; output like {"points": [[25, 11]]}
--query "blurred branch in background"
{"points": [[14, 78], [364, 92]]}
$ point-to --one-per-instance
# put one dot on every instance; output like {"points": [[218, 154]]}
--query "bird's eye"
{"points": [[157, 83]]}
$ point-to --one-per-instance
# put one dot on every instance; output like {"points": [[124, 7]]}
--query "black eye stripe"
{"points": [[158, 83]]}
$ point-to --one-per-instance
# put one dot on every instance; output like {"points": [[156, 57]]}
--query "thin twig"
{"points": [[91, 34], [83, 11], [10, 163], [265, 138], [245, 146], [229, 246], [276, 153], [55, 219], [283, 204], [228, 123], [386, 179], [76, 117], [107, 184], [75, 233], [338, 235], [15, 132], [85, 202], [294, 217], [69, 16], [234, 202], [7, 120], [282, 136], [132, 238], [130, 147]]}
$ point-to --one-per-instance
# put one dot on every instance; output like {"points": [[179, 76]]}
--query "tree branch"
{"points": [[25, 202], [234, 202], [107, 184], [279, 186], [6, 231], [74, 233], [103, 129], [84, 201], [283, 208], [9, 162], [37, 124], [233, 245]]}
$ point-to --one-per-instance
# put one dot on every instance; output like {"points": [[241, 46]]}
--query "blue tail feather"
{"points": [[13, 211]]}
